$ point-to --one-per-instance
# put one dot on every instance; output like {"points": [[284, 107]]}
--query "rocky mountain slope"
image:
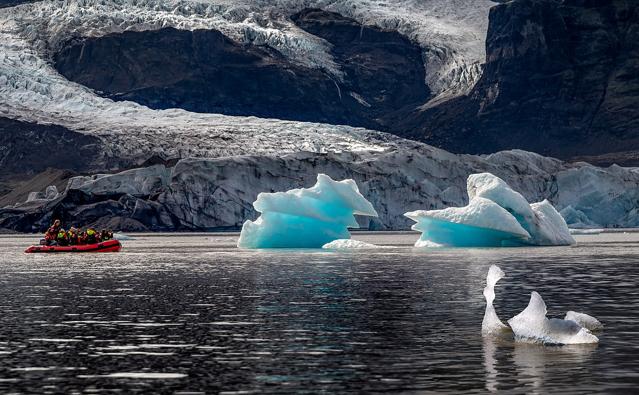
{"points": [[561, 78]]}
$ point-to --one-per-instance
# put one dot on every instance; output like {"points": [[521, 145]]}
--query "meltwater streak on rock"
{"points": [[531, 325], [491, 324], [306, 217], [497, 216]]}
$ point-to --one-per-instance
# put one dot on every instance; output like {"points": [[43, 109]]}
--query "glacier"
{"points": [[217, 193], [496, 216], [397, 175], [306, 217], [531, 325]]}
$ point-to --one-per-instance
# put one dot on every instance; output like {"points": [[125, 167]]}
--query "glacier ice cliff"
{"points": [[496, 216], [306, 217], [397, 176]]}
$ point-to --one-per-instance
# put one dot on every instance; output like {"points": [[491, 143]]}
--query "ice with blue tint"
{"points": [[495, 216], [481, 223], [306, 217]]}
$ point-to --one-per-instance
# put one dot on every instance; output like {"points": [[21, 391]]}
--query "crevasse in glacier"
{"points": [[306, 217], [496, 216]]}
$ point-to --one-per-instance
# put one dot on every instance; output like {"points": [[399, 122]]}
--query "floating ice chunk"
{"points": [[348, 244], [491, 323], [531, 325], [122, 236], [306, 217], [480, 224], [585, 231], [585, 320], [496, 216]]}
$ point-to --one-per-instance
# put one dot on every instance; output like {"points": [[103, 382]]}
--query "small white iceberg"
{"points": [[122, 237], [492, 324], [532, 325], [496, 216], [306, 217], [342, 244]]}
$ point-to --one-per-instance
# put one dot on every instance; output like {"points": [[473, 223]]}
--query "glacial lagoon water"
{"points": [[192, 314]]}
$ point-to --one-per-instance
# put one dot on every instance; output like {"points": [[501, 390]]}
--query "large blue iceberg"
{"points": [[496, 216], [306, 217]]}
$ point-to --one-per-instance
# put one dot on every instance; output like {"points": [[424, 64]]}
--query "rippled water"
{"points": [[190, 313]]}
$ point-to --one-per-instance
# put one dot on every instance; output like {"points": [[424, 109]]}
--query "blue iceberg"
{"points": [[306, 217], [496, 216]]}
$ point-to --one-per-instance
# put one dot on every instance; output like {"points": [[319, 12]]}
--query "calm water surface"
{"points": [[190, 313]]}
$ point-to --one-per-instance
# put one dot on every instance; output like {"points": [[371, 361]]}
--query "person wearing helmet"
{"points": [[73, 236], [91, 236], [62, 238]]}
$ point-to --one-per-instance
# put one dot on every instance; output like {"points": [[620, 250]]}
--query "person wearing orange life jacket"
{"points": [[73, 236], [51, 235]]}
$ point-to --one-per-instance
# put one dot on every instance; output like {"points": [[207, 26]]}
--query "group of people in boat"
{"points": [[57, 236]]}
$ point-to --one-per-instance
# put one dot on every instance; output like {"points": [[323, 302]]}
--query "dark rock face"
{"points": [[29, 148], [204, 71], [383, 67], [561, 78]]}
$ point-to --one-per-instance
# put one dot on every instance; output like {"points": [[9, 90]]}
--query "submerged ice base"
{"points": [[496, 216], [306, 217]]}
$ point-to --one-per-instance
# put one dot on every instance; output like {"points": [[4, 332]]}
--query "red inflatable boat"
{"points": [[105, 246]]}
